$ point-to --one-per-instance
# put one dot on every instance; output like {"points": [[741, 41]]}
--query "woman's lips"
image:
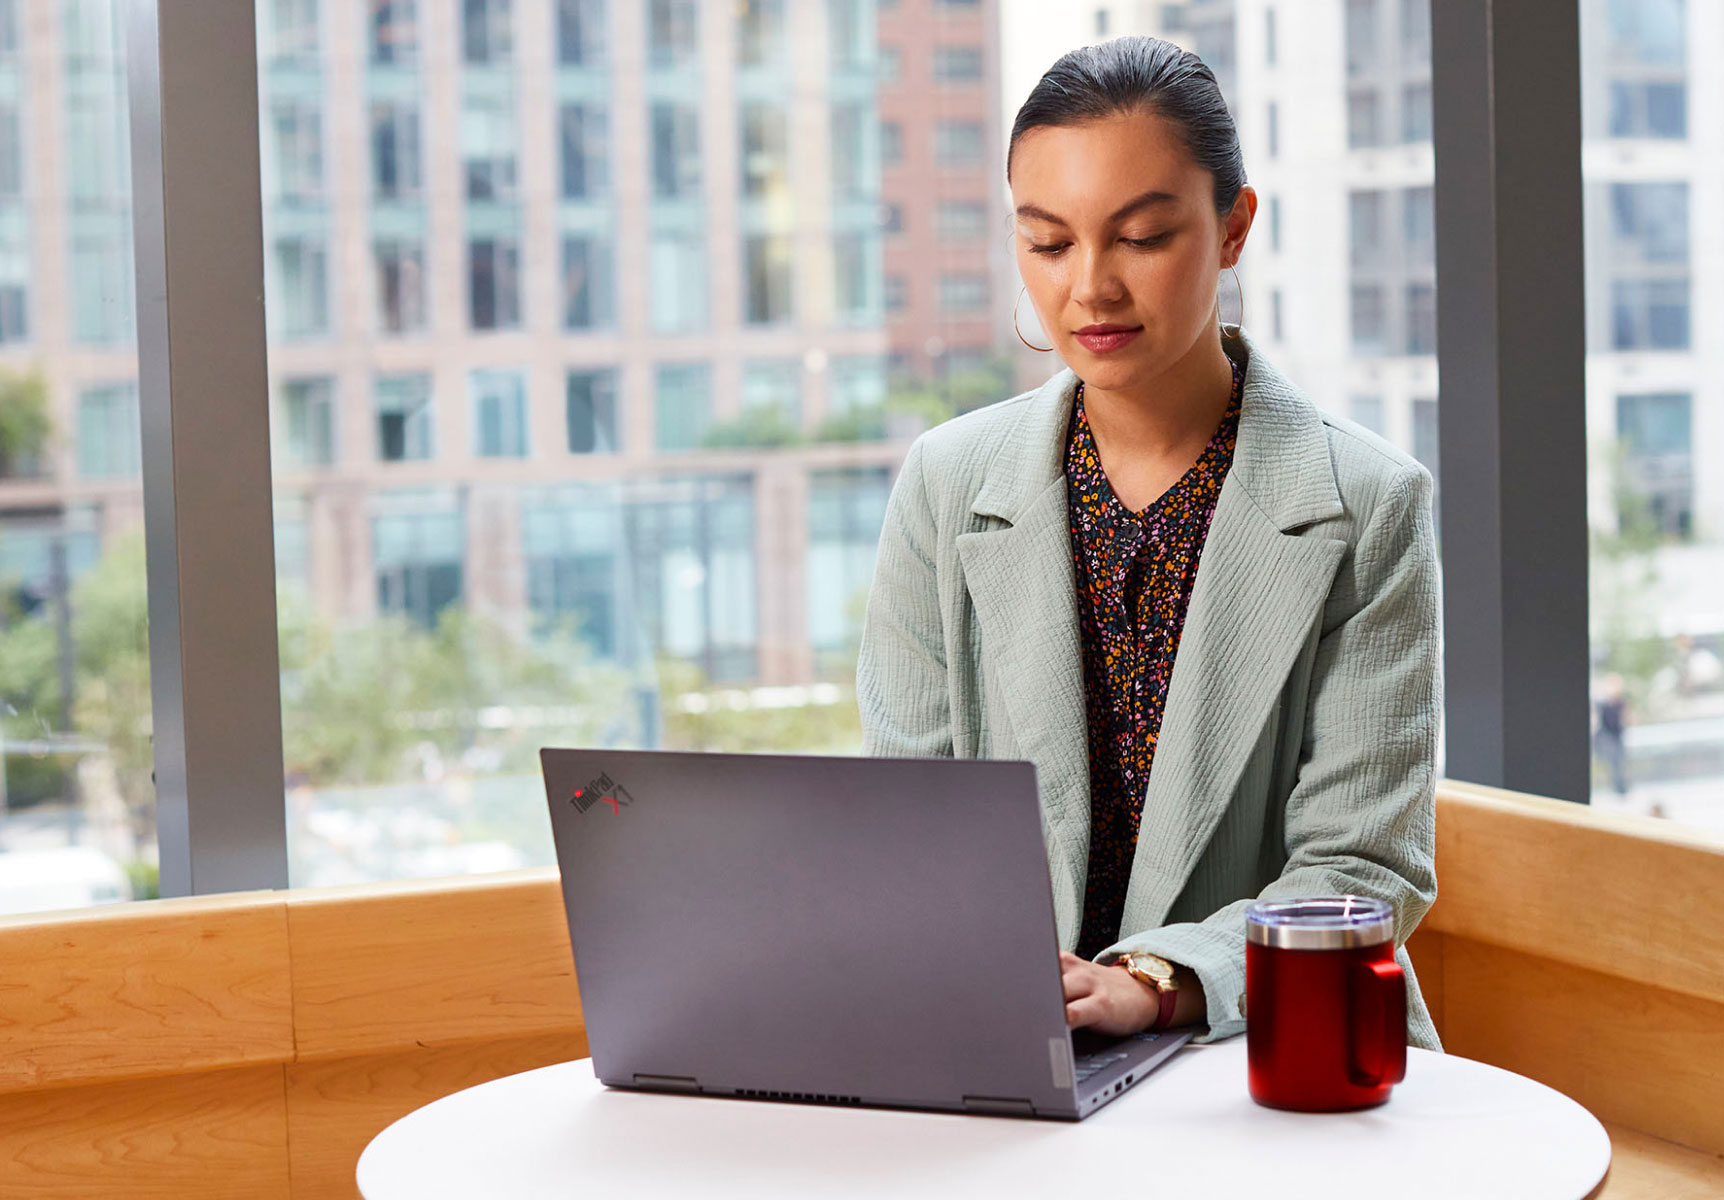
{"points": [[1101, 341]]}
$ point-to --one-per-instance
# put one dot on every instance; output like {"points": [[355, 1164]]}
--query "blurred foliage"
{"points": [[805, 729], [1624, 586], [763, 428], [146, 879], [25, 422], [379, 701], [110, 671]]}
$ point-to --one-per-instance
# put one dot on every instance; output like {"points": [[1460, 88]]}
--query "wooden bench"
{"points": [[252, 1044]]}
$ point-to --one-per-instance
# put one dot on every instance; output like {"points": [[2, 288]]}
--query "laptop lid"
{"points": [[876, 931]]}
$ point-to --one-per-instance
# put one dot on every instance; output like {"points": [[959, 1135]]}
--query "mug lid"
{"points": [[1320, 922]]}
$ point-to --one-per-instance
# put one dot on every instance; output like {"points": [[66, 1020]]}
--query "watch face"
{"points": [[1155, 968]]}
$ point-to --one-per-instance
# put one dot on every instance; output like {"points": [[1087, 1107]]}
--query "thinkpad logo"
{"points": [[601, 790]]}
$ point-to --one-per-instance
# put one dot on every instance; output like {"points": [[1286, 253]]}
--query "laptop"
{"points": [[852, 931]]}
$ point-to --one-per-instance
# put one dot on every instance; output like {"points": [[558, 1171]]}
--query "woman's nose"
{"points": [[1094, 280]]}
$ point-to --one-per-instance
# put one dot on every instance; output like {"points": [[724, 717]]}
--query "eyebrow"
{"points": [[1146, 200]]}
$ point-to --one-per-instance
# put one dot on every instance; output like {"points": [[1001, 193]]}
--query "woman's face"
{"points": [[1119, 244]]}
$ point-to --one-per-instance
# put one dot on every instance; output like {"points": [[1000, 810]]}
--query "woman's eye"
{"points": [[1146, 243], [1050, 248]]}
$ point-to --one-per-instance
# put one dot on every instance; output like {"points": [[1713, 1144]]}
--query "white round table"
{"points": [[1454, 1128]]}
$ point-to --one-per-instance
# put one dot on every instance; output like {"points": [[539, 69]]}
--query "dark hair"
{"points": [[1141, 74]]}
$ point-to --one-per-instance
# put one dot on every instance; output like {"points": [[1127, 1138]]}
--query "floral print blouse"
{"points": [[1134, 577]]}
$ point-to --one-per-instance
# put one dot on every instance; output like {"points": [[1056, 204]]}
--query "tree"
{"points": [[25, 422], [1624, 582]]}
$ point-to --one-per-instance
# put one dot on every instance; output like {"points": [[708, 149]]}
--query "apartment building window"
{"points": [[1275, 314], [853, 173], [1367, 411], [673, 33], [405, 417], [1364, 119], [1271, 49], [302, 276], [892, 218], [957, 64], [675, 150], [759, 33], [572, 545], [959, 145], [305, 409], [677, 283], [891, 64], [773, 385], [588, 282], [962, 294], [960, 220], [488, 146], [487, 32], [1649, 266], [846, 511], [1419, 227], [102, 283], [401, 284], [1275, 224], [1656, 433], [394, 32], [850, 33], [1416, 33], [8, 27], [856, 267], [11, 151], [1273, 129], [580, 33], [585, 141], [396, 165], [1365, 227], [891, 143], [682, 405], [765, 166], [292, 31], [590, 397], [298, 129], [108, 436], [494, 283], [895, 293], [1421, 318], [1369, 318], [418, 547], [499, 412], [766, 265], [858, 381], [1426, 445], [1416, 113], [692, 552], [1361, 37], [14, 307], [1646, 66]]}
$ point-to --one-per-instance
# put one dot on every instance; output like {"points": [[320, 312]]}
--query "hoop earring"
{"points": [[1240, 324], [1019, 332]]}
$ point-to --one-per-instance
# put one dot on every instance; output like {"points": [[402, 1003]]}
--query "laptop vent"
{"points": [[797, 1097]]}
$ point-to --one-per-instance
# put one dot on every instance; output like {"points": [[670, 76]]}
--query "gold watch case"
{"points": [[1155, 971]]}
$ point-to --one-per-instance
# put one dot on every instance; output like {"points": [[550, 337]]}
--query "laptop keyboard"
{"points": [[1093, 1064]]}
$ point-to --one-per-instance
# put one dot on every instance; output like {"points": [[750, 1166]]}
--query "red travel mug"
{"points": [[1325, 1003]]}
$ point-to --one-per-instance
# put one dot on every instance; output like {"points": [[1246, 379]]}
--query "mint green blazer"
{"points": [[1298, 742]]}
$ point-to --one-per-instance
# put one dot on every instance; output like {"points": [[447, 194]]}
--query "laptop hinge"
{"points": [[1000, 1106], [672, 1083]]}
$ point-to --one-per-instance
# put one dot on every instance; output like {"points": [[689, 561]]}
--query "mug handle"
{"points": [[1377, 1044]]}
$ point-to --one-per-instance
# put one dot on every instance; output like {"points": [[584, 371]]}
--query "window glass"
{"points": [[1656, 493], [77, 798]]}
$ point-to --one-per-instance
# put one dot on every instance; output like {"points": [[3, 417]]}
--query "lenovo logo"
{"points": [[601, 790]]}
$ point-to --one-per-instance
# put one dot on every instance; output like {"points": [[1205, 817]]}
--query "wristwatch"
{"points": [[1157, 973]]}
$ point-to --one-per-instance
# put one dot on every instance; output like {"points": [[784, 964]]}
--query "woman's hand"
{"points": [[1105, 999]]}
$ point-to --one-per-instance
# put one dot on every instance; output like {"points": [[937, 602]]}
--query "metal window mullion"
{"points": [[202, 372], [1511, 353]]}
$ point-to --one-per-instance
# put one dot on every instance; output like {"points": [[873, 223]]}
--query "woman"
{"points": [[1167, 556]]}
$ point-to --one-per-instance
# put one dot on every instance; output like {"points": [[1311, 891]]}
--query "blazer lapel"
{"points": [[1260, 589], [1022, 583]]}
